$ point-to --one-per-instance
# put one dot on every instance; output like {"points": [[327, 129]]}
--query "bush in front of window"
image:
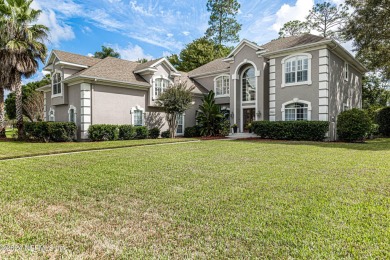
{"points": [[192, 131], [165, 134], [383, 120], [291, 130], [103, 132], [141, 132], [50, 131], [126, 132], [154, 133], [353, 125]]}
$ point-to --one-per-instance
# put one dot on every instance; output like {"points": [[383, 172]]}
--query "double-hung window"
{"points": [[57, 90], [296, 70], [296, 112], [138, 117], [222, 86], [160, 85], [180, 124]]}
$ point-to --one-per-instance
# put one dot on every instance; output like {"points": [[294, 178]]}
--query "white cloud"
{"points": [[131, 52], [287, 13], [90, 55], [86, 29], [169, 35], [186, 33], [166, 54], [58, 30], [139, 9]]}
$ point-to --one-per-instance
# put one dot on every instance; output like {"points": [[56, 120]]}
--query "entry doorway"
{"points": [[248, 117]]}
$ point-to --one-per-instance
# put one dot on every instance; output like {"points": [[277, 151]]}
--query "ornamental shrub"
{"points": [[383, 120], [192, 131], [126, 132], [166, 134], [154, 133], [353, 125], [103, 132], [291, 130], [50, 131], [141, 132]]}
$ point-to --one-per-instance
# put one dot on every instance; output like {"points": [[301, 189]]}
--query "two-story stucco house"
{"points": [[295, 78]]}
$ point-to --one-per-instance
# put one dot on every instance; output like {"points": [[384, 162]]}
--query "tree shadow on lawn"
{"points": [[380, 144]]}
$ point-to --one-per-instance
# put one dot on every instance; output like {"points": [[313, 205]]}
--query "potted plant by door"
{"points": [[249, 127], [235, 128]]}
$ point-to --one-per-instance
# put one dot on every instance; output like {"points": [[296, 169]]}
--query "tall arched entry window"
{"points": [[249, 85]]}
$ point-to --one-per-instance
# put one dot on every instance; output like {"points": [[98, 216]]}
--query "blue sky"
{"points": [[154, 28]]}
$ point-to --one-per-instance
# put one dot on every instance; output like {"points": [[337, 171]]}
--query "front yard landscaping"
{"points": [[209, 199]]}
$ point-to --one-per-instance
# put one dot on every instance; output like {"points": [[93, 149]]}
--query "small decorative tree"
{"points": [[175, 101]]}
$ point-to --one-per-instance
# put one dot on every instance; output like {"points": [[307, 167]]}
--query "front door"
{"points": [[248, 117]]}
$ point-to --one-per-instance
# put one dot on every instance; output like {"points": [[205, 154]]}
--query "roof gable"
{"points": [[243, 43], [154, 63], [71, 58]]}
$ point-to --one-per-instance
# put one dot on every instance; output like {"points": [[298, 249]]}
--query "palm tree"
{"points": [[24, 46], [209, 116], [106, 52]]}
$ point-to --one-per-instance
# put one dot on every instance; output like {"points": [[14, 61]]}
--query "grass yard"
{"points": [[16, 149], [212, 199]]}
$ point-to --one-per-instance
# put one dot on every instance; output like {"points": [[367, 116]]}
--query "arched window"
{"points": [[160, 85], [72, 114], [52, 117], [297, 69], [222, 86], [296, 112], [249, 85], [57, 90], [137, 116]]}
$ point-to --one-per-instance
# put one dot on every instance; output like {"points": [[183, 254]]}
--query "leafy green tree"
{"points": [[24, 46], [293, 28], [369, 28], [198, 53], [376, 92], [175, 101], [106, 52], [209, 117], [142, 60], [327, 19], [223, 26], [28, 90]]}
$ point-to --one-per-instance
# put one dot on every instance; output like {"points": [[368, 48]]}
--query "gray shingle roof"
{"points": [[292, 41], [75, 58], [146, 64], [113, 69], [215, 65]]}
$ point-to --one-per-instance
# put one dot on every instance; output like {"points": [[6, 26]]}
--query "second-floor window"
{"points": [[57, 84], [296, 69], [222, 86], [249, 85], [160, 85]]}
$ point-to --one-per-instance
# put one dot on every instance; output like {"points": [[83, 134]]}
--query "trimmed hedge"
{"points": [[154, 133], [141, 132], [383, 120], [165, 134], [126, 132], [50, 131], [291, 130], [353, 125], [192, 131], [103, 132]]}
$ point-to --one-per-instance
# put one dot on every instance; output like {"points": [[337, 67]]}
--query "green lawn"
{"points": [[212, 199], [15, 149]]}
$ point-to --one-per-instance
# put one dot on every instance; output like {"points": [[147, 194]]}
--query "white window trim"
{"points": [[215, 85], [308, 82], [61, 84], [184, 120], [241, 78], [296, 100], [75, 113], [132, 114], [154, 80], [346, 71], [54, 115]]}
